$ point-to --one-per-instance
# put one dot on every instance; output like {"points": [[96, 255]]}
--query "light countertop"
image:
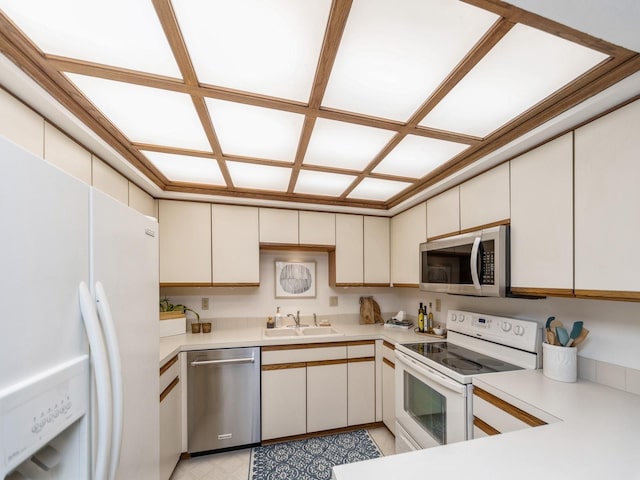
{"points": [[252, 337], [596, 437]]}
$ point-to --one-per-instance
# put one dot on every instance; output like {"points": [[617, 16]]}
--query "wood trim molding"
{"points": [[367, 284], [170, 387], [512, 410], [324, 363], [506, 221], [302, 346], [168, 365], [304, 436], [543, 292], [246, 284], [355, 343], [625, 296], [388, 345], [485, 427], [283, 366], [386, 361], [361, 359], [291, 247], [405, 285]]}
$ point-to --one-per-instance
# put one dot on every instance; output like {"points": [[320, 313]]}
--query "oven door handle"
{"points": [[474, 263], [432, 374]]}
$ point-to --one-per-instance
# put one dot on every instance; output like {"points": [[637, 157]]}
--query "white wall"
{"points": [[244, 302], [614, 326]]}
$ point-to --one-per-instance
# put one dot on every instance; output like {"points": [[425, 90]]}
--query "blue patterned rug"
{"points": [[311, 459]]}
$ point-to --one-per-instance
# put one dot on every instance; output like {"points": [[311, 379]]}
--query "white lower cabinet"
{"points": [[170, 417], [284, 400], [326, 395], [361, 384], [388, 387]]}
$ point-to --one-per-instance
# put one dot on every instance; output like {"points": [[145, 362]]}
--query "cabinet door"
{"points": [[376, 251], [361, 406], [235, 245], [109, 181], [388, 395], [66, 154], [284, 400], [484, 199], [317, 228], [278, 226], [443, 213], [185, 242], [408, 231], [170, 431], [142, 201], [349, 254], [607, 224], [542, 219], [326, 395], [20, 124]]}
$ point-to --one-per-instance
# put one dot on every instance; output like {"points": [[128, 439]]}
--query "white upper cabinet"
{"points": [[66, 154], [185, 242], [349, 253], [278, 226], [542, 218], [107, 180], [485, 199], [142, 201], [408, 231], [317, 228], [443, 213], [607, 223], [235, 244], [376, 250], [21, 125]]}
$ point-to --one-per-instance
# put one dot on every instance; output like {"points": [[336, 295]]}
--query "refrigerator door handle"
{"points": [[115, 366], [100, 366]]}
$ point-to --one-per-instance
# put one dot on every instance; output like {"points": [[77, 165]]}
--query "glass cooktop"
{"points": [[459, 359]]}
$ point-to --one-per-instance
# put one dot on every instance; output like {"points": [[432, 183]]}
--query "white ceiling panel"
{"points": [[260, 177], [267, 47], [393, 55], [119, 33], [146, 115], [244, 130], [184, 168], [525, 67], [322, 183], [344, 145], [416, 156], [377, 189]]}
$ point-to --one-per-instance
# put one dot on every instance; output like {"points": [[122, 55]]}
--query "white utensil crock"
{"points": [[560, 363]]}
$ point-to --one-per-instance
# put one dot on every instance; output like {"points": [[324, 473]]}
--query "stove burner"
{"points": [[431, 348], [461, 364], [492, 362]]}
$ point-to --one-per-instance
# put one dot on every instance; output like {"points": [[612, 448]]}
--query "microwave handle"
{"points": [[474, 262]]}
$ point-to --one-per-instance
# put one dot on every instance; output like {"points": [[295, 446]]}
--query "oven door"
{"points": [[430, 407]]}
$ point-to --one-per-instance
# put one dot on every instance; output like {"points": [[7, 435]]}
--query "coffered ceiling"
{"points": [[347, 102]]}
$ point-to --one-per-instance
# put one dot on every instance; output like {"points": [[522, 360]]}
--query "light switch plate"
{"points": [[205, 303], [333, 301]]}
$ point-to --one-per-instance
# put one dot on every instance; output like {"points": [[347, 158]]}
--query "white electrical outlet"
{"points": [[205, 303], [333, 301], [438, 305]]}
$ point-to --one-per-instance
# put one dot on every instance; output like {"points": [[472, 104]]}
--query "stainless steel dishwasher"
{"points": [[223, 400]]}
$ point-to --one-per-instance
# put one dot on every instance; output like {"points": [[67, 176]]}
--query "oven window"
{"points": [[426, 406]]}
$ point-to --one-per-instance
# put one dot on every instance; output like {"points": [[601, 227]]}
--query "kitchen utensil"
{"points": [[562, 335], [555, 324], [548, 324], [575, 332], [583, 334]]}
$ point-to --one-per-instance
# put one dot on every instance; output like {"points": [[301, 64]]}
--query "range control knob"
{"points": [[453, 317], [461, 318], [519, 330], [506, 326]]}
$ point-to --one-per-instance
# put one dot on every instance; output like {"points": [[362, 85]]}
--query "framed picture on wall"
{"points": [[295, 279]]}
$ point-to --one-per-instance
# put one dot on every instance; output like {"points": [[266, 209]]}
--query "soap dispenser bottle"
{"points": [[278, 318]]}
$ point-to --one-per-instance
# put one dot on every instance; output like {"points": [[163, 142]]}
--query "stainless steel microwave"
{"points": [[475, 263]]}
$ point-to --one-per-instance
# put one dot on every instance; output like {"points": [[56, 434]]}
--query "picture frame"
{"points": [[295, 279]]}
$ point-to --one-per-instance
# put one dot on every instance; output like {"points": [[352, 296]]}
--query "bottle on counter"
{"points": [[430, 323], [421, 318], [270, 322], [278, 321]]}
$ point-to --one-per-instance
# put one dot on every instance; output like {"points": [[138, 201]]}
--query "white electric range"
{"points": [[433, 379]]}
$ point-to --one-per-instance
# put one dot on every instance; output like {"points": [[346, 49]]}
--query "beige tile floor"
{"points": [[235, 465]]}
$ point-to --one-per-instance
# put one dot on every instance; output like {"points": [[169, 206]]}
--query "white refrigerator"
{"points": [[63, 401]]}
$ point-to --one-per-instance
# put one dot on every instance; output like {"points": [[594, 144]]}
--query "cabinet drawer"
{"points": [[389, 352], [313, 352], [494, 415], [169, 371], [365, 348]]}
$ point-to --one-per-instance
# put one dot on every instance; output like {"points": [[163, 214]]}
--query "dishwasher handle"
{"points": [[195, 363]]}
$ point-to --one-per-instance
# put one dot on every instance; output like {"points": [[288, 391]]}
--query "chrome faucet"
{"points": [[315, 321], [296, 317]]}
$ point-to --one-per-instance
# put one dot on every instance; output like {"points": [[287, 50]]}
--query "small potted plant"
{"points": [[166, 306]]}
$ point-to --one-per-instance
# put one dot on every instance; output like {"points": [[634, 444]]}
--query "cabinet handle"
{"points": [[167, 390], [226, 360], [474, 263]]}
